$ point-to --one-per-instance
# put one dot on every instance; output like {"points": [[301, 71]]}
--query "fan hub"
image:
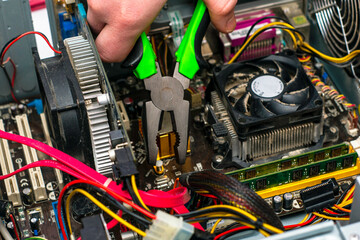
{"points": [[267, 86]]}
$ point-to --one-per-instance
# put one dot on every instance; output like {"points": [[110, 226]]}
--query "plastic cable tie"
{"points": [[107, 182], [258, 224]]}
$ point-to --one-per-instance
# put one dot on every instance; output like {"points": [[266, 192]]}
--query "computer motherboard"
{"points": [[272, 131]]}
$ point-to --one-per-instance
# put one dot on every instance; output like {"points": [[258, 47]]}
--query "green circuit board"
{"points": [[297, 168]]}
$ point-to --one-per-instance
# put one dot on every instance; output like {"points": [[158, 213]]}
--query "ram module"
{"points": [[297, 168]]}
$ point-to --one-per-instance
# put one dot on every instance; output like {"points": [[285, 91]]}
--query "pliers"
{"points": [[167, 93]]}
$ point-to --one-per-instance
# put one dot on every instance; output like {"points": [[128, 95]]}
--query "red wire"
{"points": [[155, 198], [231, 231], [14, 73], [23, 35], [15, 228], [301, 224], [112, 193], [45, 163], [329, 211], [12, 79]]}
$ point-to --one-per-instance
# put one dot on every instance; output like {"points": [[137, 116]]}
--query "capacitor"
{"points": [[27, 196], [130, 107], [288, 201], [10, 228], [129, 235], [35, 225], [277, 203]]}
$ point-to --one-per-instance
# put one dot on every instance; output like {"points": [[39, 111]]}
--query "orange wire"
{"points": [[342, 209]]}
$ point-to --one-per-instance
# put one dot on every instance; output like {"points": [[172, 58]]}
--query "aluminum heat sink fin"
{"points": [[87, 71], [296, 97]]}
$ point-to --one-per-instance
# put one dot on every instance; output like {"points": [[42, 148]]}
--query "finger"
{"points": [[222, 14], [114, 45], [94, 22]]}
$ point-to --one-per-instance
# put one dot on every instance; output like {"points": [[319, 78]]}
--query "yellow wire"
{"points": [[242, 212], [331, 218], [349, 193], [103, 207], [305, 218], [253, 36], [297, 40], [345, 203], [215, 225], [136, 191]]}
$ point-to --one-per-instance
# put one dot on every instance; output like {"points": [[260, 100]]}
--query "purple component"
{"points": [[265, 44]]}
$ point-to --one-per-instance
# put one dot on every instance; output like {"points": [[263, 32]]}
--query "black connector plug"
{"points": [[319, 196], [124, 164]]}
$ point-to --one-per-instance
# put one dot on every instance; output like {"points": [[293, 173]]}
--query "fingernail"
{"points": [[231, 24]]}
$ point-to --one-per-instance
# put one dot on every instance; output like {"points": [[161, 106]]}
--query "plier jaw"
{"points": [[167, 93]]}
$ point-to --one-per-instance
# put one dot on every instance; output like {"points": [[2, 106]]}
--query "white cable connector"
{"points": [[169, 227]]}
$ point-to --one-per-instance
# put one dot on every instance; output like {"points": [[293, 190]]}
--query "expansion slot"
{"points": [[303, 170], [11, 185], [36, 177], [58, 173]]}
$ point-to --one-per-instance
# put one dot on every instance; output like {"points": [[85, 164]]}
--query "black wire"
{"points": [[2, 50], [260, 20], [144, 222], [344, 193], [132, 193], [112, 201], [6, 44], [272, 27], [213, 210], [334, 215]]}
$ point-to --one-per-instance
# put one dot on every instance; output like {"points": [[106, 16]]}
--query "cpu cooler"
{"points": [[271, 104]]}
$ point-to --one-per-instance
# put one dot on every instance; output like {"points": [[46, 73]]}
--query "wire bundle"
{"points": [[232, 192], [298, 42]]}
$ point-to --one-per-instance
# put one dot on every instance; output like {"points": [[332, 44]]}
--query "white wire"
{"points": [[4, 232]]}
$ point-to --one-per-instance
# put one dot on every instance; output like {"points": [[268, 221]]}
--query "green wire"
{"points": [[35, 238]]}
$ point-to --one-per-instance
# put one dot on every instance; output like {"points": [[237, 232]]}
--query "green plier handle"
{"points": [[142, 58]]}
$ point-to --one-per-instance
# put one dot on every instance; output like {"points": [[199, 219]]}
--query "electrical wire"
{"points": [[215, 225], [35, 238], [15, 227], [105, 197], [342, 209], [101, 206], [170, 199], [299, 43], [136, 191], [331, 218], [6, 47], [12, 80], [234, 230], [114, 194]]}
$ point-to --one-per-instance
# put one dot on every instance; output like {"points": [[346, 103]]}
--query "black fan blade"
{"points": [[258, 109], [285, 76], [262, 70], [278, 107], [242, 103], [296, 97], [296, 83]]}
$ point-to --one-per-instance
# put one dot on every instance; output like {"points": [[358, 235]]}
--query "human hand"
{"points": [[120, 23]]}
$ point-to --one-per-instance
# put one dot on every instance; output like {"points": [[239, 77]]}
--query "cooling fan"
{"points": [[268, 93]]}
